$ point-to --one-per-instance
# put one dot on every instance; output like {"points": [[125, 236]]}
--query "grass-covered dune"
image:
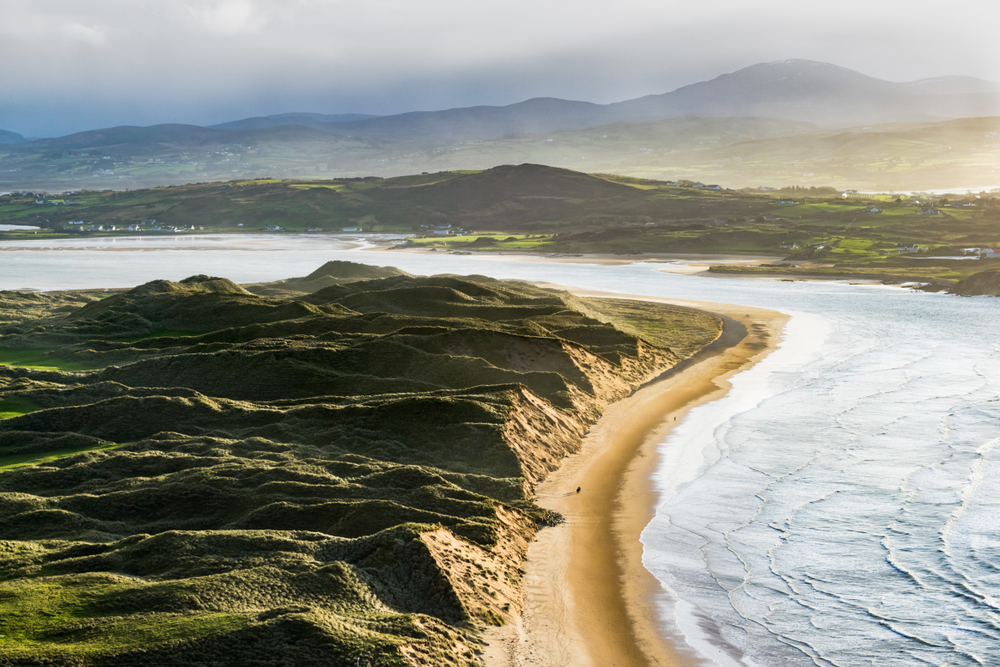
{"points": [[983, 283], [337, 469]]}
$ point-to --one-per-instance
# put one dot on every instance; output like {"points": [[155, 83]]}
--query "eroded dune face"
{"points": [[984, 283], [194, 471]]}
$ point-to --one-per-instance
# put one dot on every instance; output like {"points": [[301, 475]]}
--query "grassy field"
{"points": [[15, 406], [44, 359]]}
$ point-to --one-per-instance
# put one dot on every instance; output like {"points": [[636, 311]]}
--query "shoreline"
{"points": [[588, 598]]}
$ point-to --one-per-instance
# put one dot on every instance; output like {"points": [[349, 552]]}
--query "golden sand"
{"points": [[588, 599]]}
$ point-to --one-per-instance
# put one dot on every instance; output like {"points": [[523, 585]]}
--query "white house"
{"points": [[989, 253]]}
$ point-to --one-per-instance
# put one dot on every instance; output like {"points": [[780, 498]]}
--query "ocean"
{"points": [[839, 506]]}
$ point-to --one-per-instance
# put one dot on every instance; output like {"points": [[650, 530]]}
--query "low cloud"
{"points": [[207, 61], [233, 17]]}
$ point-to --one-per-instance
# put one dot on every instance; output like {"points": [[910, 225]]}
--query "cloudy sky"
{"points": [[72, 65]]}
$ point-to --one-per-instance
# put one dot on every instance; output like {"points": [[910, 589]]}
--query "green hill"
{"points": [[192, 473]]}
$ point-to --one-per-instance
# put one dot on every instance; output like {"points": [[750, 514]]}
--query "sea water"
{"points": [[839, 506]]}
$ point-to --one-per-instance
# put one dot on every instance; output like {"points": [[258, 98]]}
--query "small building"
{"points": [[874, 210], [786, 201], [989, 253], [930, 210], [351, 229], [712, 187]]}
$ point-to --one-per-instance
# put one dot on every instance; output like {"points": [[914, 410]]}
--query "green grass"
{"points": [[15, 406], [12, 461], [57, 618], [39, 359]]}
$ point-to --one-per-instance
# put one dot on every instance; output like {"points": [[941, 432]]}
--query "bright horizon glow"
{"points": [[102, 63]]}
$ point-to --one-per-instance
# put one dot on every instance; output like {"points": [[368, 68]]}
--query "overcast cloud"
{"points": [[73, 65]]}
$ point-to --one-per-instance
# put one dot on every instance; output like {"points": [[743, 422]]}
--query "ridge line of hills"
{"points": [[800, 90], [774, 124]]}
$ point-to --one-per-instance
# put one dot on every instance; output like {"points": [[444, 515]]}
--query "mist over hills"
{"points": [[799, 90], [853, 131]]}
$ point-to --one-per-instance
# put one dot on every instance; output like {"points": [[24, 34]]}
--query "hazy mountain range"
{"points": [[697, 131]]}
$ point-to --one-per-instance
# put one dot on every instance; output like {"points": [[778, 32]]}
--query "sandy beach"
{"points": [[588, 599]]}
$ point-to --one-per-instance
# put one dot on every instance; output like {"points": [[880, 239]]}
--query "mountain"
{"points": [[318, 121], [799, 90], [10, 137]]}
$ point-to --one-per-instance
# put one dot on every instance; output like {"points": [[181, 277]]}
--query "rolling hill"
{"points": [[10, 137], [130, 139], [318, 121]]}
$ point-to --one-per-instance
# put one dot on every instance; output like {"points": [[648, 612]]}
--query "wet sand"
{"points": [[588, 599]]}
